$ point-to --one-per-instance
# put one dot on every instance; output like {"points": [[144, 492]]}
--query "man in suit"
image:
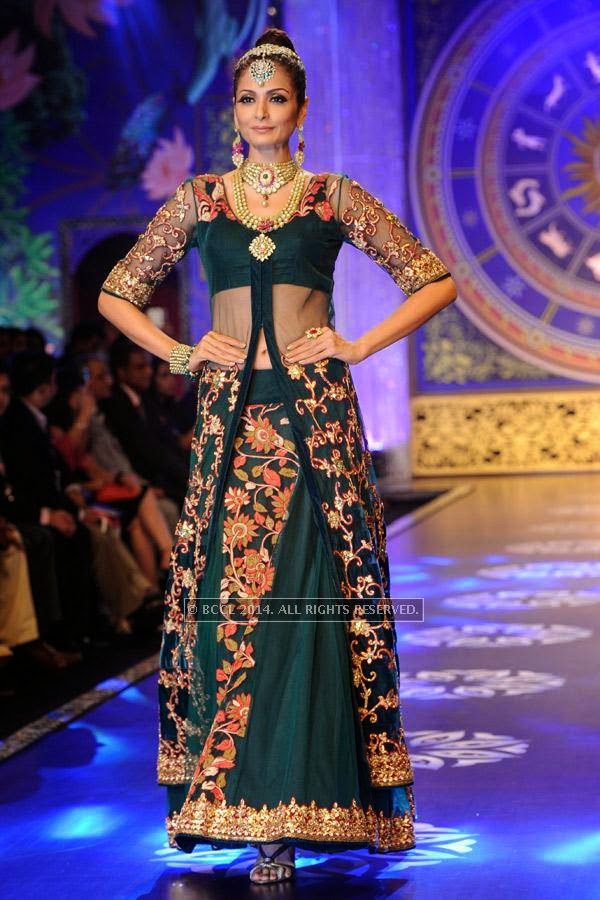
{"points": [[153, 451], [37, 480], [30, 598]]}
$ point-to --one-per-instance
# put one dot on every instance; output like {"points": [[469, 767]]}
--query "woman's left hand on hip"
{"points": [[327, 344]]}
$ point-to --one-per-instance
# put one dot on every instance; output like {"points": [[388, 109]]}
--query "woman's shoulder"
{"points": [[203, 178], [326, 176]]}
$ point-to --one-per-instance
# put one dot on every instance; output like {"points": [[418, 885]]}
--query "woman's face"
{"points": [[266, 116], [76, 398]]}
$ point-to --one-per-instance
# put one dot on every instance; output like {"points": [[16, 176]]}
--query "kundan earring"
{"points": [[237, 150], [299, 154]]}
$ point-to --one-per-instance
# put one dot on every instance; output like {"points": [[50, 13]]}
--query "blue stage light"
{"points": [[585, 849], [82, 821]]}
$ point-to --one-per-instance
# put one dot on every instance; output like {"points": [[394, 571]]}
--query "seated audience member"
{"points": [[86, 337], [104, 446], [37, 479], [100, 495], [19, 633], [152, 449], [30, 544], [162, 401]]}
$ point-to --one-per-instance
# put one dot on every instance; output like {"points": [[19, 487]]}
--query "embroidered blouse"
{"points": [[293, 288]]}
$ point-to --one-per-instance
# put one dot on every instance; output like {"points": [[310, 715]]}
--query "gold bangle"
{"points": [[179, 360]]}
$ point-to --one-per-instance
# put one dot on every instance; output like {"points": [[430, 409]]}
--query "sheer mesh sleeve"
{"points": [[367, 224], [166, 240]]}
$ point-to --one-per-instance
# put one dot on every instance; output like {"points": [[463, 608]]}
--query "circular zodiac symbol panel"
{"points": [[505, 175]]}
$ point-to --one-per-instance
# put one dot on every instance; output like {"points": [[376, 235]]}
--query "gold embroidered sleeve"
{"points": [[368, 225], [167, 238]]}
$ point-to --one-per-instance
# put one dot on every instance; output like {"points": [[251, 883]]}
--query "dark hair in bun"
{"points": [[275, 36], [297, 75]]}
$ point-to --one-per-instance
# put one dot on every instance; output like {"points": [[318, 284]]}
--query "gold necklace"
{"points": [[262, 246], [266, 178]]}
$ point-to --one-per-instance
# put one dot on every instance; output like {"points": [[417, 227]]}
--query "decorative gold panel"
{"points": [[456, 352], [525, 431]]}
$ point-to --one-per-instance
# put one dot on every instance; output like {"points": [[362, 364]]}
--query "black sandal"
{"points": [[287, 870]]}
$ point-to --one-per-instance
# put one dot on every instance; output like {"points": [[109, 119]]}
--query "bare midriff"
{"points": [[261, 358]]}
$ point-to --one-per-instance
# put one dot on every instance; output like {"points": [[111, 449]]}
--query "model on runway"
{"points": [[278, 732]]}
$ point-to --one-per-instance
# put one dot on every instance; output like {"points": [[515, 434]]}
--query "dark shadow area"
{"points": [[315, 882], [27, 693]]}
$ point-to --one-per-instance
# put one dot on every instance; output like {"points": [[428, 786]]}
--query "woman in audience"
{"points": [[71, 414], [106, 506]]}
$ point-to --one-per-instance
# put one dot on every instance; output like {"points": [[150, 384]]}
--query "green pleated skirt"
{"points": [[279, 754]]}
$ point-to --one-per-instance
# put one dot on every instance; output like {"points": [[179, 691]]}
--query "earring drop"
{"points": [[237, 150], [299, 154]]}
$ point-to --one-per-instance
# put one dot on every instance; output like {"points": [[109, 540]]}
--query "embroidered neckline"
{"points": [[312, 181]]}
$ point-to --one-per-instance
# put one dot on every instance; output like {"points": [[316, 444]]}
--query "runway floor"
{"points": [[500, 688]]}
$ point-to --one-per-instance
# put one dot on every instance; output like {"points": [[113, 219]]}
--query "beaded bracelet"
{"points": [[179, 360]]}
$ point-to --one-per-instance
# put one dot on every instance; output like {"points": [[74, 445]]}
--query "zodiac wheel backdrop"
{"points": [[505, 177]]}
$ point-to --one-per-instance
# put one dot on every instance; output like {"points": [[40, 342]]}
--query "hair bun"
{"points": [[275, 36]]}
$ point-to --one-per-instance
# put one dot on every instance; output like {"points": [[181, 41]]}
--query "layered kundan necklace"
{"points": [[266, 178], [262, 246]]}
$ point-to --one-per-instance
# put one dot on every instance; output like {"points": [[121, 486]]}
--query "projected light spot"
{"points": [[432, 749], [462, 684], [409, 578], [483, 636], [577, 852], [134, 695], [437, 560], [112, 684], [202, 858], [556, 548], [577, 509], [82, 821], [460, 584], [521, 600], [539, 570], [582, 527]]}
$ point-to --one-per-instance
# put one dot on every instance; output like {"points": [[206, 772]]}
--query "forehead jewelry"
{"points": [[261, 70]]}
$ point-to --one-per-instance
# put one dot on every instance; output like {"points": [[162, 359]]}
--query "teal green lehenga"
{"points": [[279, 720]]}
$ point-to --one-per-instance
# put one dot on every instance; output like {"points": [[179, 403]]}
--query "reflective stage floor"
{"points": [[500, 687]]}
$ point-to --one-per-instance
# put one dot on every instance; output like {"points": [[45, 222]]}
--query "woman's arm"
{"points": [[417, 309], [135, 325], [131, 283], [368, 225]]}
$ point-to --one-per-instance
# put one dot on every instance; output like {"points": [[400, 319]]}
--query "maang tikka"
{"points": [[261, 70]]}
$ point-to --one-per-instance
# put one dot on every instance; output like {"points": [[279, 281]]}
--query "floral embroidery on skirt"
{"points": [[260, 736]]}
